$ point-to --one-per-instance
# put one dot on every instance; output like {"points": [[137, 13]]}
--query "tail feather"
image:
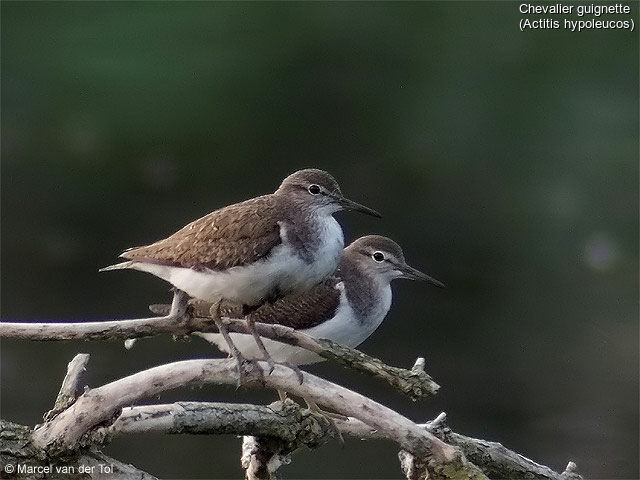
{"points": [[117, 266]]}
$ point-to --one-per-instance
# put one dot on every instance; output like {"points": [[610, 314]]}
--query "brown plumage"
{"points": [[302, 310], [255, 250], [296, 310], [231, 236]]}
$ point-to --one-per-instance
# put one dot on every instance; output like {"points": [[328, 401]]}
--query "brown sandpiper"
{"points": [[253, 251]]}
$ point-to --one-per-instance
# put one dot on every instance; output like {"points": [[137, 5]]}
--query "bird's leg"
{"points": [[252, 328], [267, 357], [222, 328], [282, 394], [328, 416]]}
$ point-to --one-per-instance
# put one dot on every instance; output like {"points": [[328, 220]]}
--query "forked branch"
{"points": [[69, 429]]}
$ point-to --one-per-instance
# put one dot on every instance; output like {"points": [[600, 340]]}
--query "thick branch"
{"points": [[287, 421], [415, 383], [101, 404], [296, 427], [17, 450]]}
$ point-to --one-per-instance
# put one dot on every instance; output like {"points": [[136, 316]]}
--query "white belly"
{"points": [[343, 328], [283, 270]]}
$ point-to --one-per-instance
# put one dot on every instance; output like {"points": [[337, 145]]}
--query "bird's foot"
{"points": [[328, 418], [246, 368], [242, 362]]}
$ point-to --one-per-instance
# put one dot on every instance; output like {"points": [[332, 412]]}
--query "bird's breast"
{"points": [[316, 253]]}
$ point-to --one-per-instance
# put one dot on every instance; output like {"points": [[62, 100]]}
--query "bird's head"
{"points": [[320, 191], [383, 258]]}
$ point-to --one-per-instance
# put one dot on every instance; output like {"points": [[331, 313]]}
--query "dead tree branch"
{"points": [[292, 427], [271, 432], [414, 383], [286, 421], [28, 461], [71, 428], [495, 460], [69, 389]]}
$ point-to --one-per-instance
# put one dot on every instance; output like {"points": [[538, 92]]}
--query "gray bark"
{"points": [[29, 462]]}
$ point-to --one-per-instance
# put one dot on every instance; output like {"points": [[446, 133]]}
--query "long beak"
{"points": [[347, 204], [413, 274]]}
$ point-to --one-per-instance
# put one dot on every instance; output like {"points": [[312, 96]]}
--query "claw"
{"points": [[241, 361], [328, 417]]}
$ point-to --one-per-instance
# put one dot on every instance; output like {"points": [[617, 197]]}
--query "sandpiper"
{"points": [[255, 250], [346, 307]]}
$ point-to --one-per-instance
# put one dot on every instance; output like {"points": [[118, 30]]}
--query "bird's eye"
{"points": [[314, 189], [378, 256]]}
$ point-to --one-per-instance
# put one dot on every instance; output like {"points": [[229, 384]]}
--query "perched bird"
{"points": [[346, 307], [255, 250]]}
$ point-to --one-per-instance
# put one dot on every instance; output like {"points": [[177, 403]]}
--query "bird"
{"points": [[346, 307], [256, 250]]}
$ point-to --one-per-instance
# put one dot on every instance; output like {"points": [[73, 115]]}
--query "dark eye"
{"points": [[378, 256], [314, 189]]}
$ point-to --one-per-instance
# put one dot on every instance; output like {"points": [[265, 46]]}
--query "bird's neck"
{"points": [[368, 296], [315, 232]]}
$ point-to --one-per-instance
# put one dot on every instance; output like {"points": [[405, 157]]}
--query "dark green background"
{"points": [[505, 163]]}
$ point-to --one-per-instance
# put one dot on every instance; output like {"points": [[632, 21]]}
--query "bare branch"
{"points": [[414, 383], [17, 450], [69, 388], [279, 428], [293, 425], [65, 431], [109, 329], [495, 460], [430, 451]]}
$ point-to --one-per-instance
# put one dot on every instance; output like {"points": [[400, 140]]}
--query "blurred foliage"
{"points": [[505, 163]]}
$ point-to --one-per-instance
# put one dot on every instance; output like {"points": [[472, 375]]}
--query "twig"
{"points": [[102, 404], [414, 383], [67, 394], [495, 460]]}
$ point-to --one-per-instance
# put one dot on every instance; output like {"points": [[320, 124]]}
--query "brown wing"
{"points": [[231, 236], [296, 310], [302, 310]]}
